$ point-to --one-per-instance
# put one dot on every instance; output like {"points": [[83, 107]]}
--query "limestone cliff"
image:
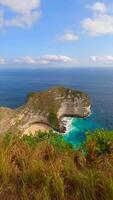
{"points": [[46, 107]]}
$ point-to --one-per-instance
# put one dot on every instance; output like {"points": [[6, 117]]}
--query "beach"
{"points": [[36, 128]]}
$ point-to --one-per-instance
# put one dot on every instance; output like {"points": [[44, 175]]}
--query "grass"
{"points": [[44, 167]]}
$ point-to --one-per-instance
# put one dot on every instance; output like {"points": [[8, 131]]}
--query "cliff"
{"points": [[47, 107]]}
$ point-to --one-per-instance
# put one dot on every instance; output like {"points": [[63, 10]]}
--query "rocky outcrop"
{"points": [[47, 107]]}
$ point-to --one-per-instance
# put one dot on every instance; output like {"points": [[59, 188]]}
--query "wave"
{"points": [[67, 123]]}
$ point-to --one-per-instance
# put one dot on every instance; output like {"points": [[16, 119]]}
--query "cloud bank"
{"points": [[47, 59], [44, 60]]}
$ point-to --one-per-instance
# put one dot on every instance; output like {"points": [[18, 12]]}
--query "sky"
{"points": [[56, 33]]}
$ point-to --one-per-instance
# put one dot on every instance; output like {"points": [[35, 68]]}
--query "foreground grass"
{"points": [[43, 167]]}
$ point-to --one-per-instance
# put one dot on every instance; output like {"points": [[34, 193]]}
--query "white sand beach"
{"points": [[35, 128]]}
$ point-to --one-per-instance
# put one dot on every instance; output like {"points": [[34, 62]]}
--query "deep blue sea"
{"points": [[98, 83]]}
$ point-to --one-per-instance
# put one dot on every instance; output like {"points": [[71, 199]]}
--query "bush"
{"points": [[53, 120], [101, 141]]}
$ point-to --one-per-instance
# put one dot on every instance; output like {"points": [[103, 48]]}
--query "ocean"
{"points": [[15, 84]]}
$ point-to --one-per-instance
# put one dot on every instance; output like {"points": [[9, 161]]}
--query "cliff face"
{"points": [[46, 107]]}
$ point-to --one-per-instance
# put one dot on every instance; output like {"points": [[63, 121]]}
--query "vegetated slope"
{"points": [[44, 167]]}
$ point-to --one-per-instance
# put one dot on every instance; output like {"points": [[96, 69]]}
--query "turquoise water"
{"points": [[79, 126]]}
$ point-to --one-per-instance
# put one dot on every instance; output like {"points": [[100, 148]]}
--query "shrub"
{"points": [[52, 118], [100, 141]]}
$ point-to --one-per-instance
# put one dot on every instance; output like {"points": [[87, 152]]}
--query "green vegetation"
{"points": [[44, 167], [53, 120], [101, 141]]}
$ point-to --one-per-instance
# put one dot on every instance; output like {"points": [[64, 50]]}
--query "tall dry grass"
{"points": [[43, 167]]}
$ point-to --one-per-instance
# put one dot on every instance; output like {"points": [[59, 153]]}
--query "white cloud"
{"points": [[108, 58], [57, 58], [23, 6], [101, 23], [99, 7], [25, 12], [22, 21], [68, 36], [45, 59], [2, 61], [30, 60]]}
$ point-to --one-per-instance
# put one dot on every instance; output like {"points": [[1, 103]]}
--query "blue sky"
{"points": [[68, 33]]}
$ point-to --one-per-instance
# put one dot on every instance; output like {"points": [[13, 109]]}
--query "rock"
{"points": [[47, 107]]}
